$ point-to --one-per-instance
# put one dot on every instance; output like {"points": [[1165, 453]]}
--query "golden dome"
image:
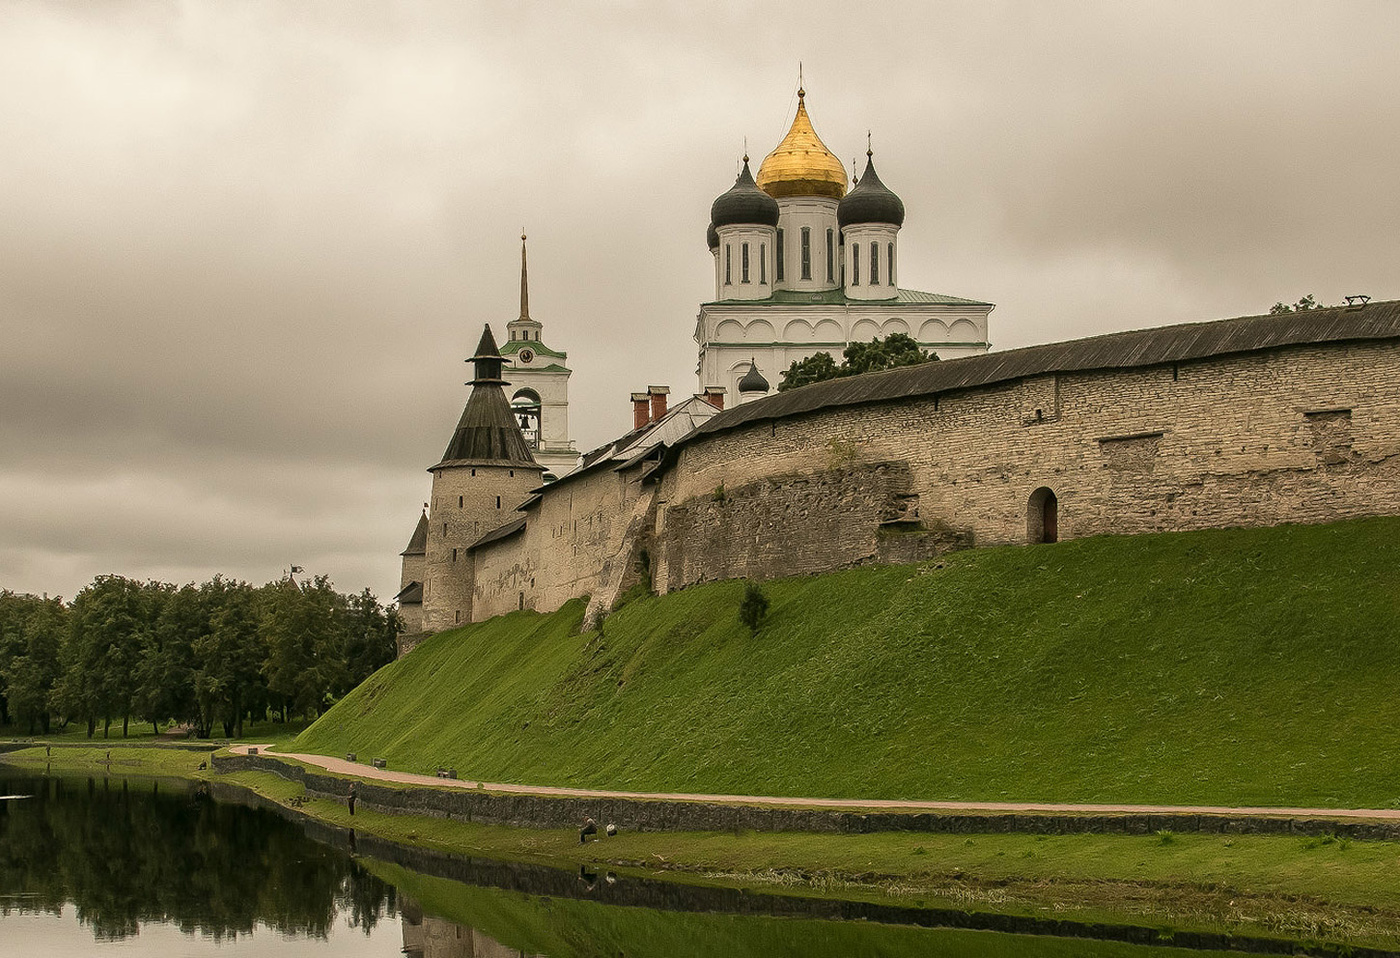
{"points": [[801, 165]]}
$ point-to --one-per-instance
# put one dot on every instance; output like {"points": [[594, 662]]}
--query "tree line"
{"points": [[203, 655]]}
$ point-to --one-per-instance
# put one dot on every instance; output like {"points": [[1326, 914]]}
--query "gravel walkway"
{"points": [[342, 767]]}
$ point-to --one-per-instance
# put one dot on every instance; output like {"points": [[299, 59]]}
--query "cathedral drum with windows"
{"points": [[802, 266]]}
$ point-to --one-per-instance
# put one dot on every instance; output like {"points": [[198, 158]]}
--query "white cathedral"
{"points": [[803, 266]]}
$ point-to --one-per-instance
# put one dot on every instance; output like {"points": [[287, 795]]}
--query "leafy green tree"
{"points": [[897, 349], [370, 634], [304, 627], [165, 675], [111, 623], [813, 369], [14, 611], [30, 677]]}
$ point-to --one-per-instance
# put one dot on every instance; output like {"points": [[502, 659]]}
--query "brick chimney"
{"points": [[658, 401], [640, 413], [714, 395]]}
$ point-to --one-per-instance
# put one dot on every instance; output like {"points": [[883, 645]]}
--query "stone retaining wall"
{"points": [[548, 811]]}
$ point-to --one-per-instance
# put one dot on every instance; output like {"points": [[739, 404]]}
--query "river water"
{"points": [[115, 867]]}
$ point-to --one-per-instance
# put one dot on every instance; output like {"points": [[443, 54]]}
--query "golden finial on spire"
{"points": [[800, 91]]}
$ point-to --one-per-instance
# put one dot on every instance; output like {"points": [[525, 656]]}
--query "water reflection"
{"points": [[427, 936], [110, 859], [127, 854]]}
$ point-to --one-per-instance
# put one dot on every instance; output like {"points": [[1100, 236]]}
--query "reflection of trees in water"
{"points": [[131, 853]]}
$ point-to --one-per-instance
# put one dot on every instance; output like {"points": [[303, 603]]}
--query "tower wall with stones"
{"points": [[467, 502]]}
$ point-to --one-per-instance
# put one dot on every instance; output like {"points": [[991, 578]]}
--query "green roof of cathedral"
{"points": [[515, 345], [838, 297]]}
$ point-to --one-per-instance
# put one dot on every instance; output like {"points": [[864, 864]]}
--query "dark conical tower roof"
{"points": [[418, 545], [870, 201], [487, 433]]}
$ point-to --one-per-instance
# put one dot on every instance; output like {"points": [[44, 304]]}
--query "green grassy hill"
{"points": [[1235, 666]]}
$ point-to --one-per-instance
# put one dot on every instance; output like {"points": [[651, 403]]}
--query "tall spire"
{"points": [[524, 281]]}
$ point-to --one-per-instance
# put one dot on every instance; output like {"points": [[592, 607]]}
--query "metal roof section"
{"points": [[411, 594], [753, 380], [871, 201], [1132, 349], [513, 527], [418, 543], [680, 421]]}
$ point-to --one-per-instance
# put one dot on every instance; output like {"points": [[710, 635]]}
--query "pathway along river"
{"points": [[114, 866]]}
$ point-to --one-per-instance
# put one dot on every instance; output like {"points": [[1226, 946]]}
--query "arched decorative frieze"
{"points": [[933, 331], [894, 325], [729, 331], [864, 331], [798, 331], [964, 330], [828, 331], [760, 331]]}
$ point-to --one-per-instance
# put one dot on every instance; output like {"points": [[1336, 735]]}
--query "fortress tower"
{"points": [[485, 473], [540, 397], [802, 266]]}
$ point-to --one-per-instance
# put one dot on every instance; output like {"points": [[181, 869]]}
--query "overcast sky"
{"points": [[245, 247]]}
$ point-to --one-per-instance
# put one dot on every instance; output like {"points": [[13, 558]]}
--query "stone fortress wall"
{"points": [[1266, 429]]}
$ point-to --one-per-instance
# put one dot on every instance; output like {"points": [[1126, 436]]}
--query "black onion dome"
{"points": [[712, 237], [753, 381], [745, 203], [870, 202]]}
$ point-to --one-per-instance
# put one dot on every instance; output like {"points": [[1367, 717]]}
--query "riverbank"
{"points": [[1316, 887]]}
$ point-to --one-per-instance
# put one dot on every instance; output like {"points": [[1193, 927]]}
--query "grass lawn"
{"points": [[141, 733], [1233, 667]]}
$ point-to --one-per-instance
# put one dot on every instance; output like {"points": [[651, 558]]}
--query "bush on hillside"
{"points": [[754, 607]]}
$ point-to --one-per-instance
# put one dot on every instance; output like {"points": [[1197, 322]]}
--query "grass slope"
{"points": [[1228, 666]]}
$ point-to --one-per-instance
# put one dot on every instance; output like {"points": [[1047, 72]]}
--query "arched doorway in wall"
{"points": [[1043, 517]]}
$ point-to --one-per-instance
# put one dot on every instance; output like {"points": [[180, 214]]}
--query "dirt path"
{"points": [[342, 767]]}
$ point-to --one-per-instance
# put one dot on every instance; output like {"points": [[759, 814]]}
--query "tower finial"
{"points": [[868, 150], [800, 91], [524, 280], [746, 149]]}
